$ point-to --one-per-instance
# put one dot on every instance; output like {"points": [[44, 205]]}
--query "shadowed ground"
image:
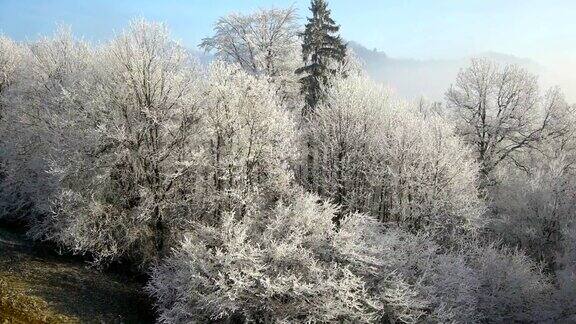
{"points": [[41, 287]]}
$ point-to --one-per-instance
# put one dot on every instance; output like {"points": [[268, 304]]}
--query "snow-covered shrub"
{"points": [[292, 264], [412, 278], [377, 155], [479, 284], [451, 288], [476, 284], [531, 210], [276, 266], [512, 288]]}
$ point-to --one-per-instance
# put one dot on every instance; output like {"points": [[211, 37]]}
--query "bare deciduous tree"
{"points": [[263, 43], [500, 111], [533, 206]]}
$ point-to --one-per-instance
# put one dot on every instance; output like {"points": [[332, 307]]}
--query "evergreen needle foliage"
{"points": [[322, 50]]}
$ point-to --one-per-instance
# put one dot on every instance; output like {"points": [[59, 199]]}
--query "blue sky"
{"points": [[539, 29]]}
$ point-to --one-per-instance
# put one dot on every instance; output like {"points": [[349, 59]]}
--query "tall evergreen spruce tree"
{"points": [[322, 51], [321, 48]]}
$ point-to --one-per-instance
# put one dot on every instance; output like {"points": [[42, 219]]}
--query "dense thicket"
{"points": [[378, 155], [132, 140], [133, 150]]}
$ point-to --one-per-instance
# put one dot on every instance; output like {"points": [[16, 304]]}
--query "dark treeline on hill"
{"points": [[281, 184]]}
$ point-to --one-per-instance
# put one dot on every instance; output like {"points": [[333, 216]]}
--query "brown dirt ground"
{"points": [[41, 287]]}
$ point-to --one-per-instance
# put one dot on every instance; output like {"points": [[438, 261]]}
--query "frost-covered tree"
{"points": [[343, 135], [322, 51], [51, 84], [566, 274], [11, 58], [117, 167], [531, 210], [532, 205], [500, 111], [245, 144], [263, 43], [381, 156]]}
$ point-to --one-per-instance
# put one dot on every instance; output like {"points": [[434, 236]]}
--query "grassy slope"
{"points": [[38, 287]]}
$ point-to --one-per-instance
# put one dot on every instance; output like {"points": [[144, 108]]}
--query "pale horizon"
{"points": [[541, 31]]}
